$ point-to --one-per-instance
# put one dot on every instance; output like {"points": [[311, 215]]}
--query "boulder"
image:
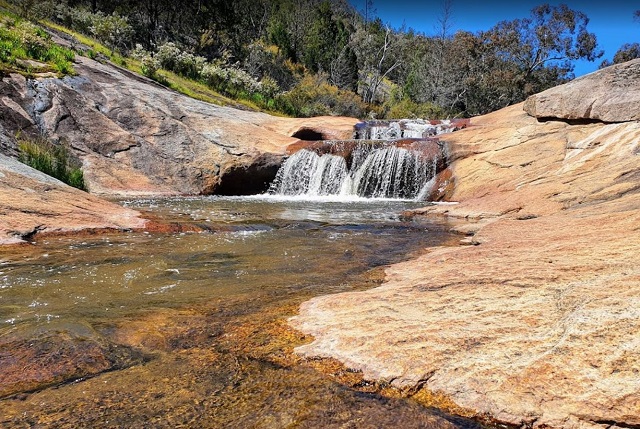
{"points": [[608, 95], [32, 202]]}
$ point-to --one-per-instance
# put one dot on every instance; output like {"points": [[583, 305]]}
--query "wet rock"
{"points": [[32, 202], [250, 179], [31, 361]]}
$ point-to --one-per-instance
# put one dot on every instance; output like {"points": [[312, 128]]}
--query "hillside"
{"points": [[132, 137]]}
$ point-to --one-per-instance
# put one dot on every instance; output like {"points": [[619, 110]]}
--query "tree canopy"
{"points": [[371, 67]]}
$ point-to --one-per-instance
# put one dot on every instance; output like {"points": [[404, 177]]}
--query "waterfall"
{"points": [[396, 159], [380, 171], [307, 173], [405, 128]]}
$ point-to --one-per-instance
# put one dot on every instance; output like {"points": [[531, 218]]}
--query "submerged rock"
{"points": [[31, 361]]}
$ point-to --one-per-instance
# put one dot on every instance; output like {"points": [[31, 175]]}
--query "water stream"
{"points": [[189, 329]]}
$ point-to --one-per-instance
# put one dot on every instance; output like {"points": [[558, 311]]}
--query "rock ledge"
{"points": [[608, 95]]}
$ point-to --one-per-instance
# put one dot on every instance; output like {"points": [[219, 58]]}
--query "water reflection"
{"points": [[168, 330]]}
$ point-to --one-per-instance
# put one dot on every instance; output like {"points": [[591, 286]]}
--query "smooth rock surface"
{"points": [[537, 323], [608, 95], [32, 202], [136, 137]]}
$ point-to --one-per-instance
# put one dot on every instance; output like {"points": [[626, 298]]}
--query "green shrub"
{"points": [[314, 96], [34, 9], [78, 19], [229, 79], [51, 159], [172, 58], [407, 108], [113, 30], [149, 66]]}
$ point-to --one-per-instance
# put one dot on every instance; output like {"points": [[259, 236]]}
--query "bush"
{"points": [[172, 58], [229, 79], [34, 9], [314, 96], [53, 160], [113, 30], [80, 20], [264, 61], [167, 56], [149, 66], [407, 108], [269, 87]]}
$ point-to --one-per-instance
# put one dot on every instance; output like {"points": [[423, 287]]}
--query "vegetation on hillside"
{"points": [[26, 48], [311, 57]]}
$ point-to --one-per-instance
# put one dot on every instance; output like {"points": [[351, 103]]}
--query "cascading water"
{"points": [[390, 172], [375, 172], [388, 159], [307, 173]]}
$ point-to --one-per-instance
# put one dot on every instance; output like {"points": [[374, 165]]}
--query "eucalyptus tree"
{"points": [[514, 59], [378, 50], [552, 37]]}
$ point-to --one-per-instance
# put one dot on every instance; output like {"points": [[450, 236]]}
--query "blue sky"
{"points": [[611, 20]]}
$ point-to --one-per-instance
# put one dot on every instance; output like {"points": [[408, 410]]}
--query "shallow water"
{"points": [[189, 329]]}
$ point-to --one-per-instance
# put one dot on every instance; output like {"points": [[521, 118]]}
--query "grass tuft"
{"points": [[51, 159]]}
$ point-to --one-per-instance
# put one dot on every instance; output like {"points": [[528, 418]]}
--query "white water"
{"points": [[306, 173], [376, 172], [405, 128]]}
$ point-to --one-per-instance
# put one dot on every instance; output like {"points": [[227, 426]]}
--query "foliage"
{"points": [[20, 40], [266, 61], [229, 79], [188, 87], [51, 159], [314, 96], [170, 57], [400, 106], [111, 29], [265, 52], [114, 30], [149, 66], [552, 33], [627, 52]]}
